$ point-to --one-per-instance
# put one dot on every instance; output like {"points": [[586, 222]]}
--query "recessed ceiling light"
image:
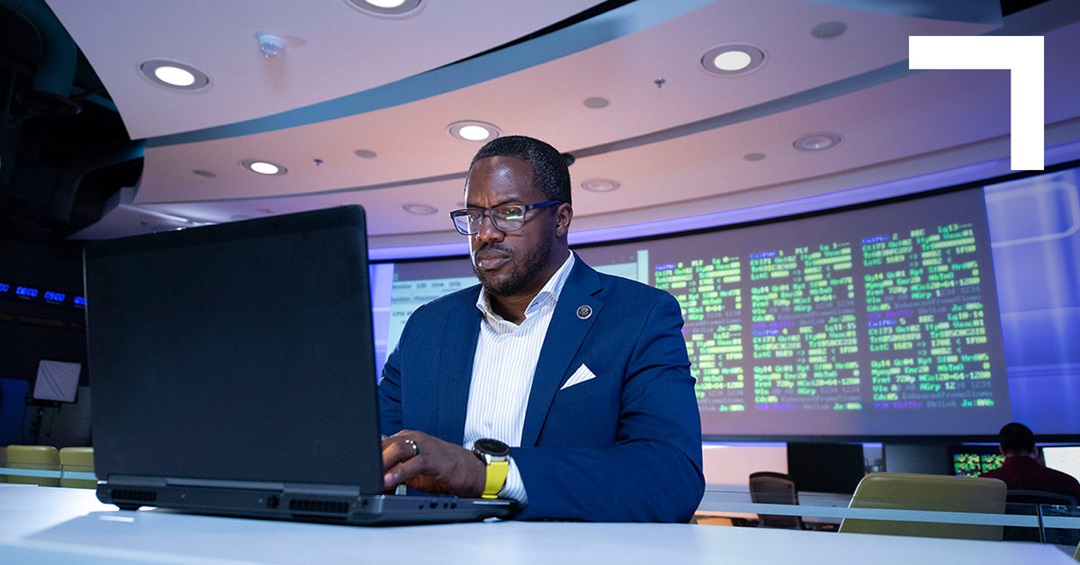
{"points": [[204, 173], [365, 153], [754, 157], [732, 59], [596, 102], [263, 167], [818, 141], [471, 130], [419, 209], [391, 8], [600, 185], [174, 75]]}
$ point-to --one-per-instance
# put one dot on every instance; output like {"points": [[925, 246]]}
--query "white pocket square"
{"points": [[581, 375]]}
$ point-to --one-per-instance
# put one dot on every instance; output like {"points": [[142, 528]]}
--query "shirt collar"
{"points": [[549, 293]]}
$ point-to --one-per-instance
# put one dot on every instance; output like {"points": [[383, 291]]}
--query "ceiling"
{"points": [[357, 108]]}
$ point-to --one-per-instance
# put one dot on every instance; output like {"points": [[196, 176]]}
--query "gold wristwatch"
{"points": [[496, 457]]}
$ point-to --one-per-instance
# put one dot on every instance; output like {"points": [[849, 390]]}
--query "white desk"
{"points": [[57, 525]]}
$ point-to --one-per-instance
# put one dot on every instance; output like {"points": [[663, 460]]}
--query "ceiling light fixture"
{"points": [[600, 185], [270, 45], [732, 59], [365, 154], [263, 167], [174, 75], [472, 130], [419, 209], [818, 141], [390, 8]]}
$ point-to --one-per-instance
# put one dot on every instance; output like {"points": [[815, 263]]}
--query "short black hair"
{"points": [[1016, 438], [550, 172]]}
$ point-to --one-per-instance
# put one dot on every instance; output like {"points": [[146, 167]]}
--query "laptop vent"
{"points": [[325, 507], [134, 495]]}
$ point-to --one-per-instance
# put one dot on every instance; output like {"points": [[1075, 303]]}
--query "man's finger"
{"points": [[403, 471]]}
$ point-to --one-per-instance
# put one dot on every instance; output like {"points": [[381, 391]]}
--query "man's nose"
{"points": [[487, 230]]}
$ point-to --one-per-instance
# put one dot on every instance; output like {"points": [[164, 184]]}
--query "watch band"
{"points": [[496, 457], [496, 478]]}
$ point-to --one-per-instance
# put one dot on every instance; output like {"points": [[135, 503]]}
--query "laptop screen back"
{"points": [[239, 351]]}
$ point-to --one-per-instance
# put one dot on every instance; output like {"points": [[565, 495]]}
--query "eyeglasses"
{"points": [[505, 217]]}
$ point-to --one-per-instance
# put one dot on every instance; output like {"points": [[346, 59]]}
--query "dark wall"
{"points": [[31, 329]]}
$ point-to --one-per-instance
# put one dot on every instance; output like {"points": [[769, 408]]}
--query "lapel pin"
{"points": [[583, 312]]}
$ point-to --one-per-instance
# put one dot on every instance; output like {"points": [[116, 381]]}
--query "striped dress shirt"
{"points": [[503, 368]]}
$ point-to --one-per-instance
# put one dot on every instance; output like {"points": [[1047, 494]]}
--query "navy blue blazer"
{"points": [[624, 446]]}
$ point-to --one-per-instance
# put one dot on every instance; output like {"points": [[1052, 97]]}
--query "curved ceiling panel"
{"points": [[357, 108]]}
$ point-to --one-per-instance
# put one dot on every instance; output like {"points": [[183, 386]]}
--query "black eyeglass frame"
{"points": [[466, 212]]}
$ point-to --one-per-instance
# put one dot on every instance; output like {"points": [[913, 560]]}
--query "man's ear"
{"points": [[564, 215]]}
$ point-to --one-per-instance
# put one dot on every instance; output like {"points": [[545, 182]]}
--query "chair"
{"points": [[1034, 496], [910, 491], [775, 488], [1030, 493], [77, 460], [36, 457]]}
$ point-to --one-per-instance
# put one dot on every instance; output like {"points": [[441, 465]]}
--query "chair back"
{"points": [[911, 491], [77, 460], [1032, 493], [35, 457], [1027, 499], [767, 487]]}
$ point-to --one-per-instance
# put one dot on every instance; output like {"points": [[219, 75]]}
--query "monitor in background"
{"points": [[974, 460], [1064, 458], [826, 467], [56, 382]]}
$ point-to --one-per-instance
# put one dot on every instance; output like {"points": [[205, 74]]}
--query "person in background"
{"points": [[566, 389], [1022, 464]]}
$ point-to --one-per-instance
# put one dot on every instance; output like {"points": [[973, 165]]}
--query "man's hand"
{"points": [[432, 465]]}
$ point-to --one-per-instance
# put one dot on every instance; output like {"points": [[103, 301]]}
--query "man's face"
{"points": [[512, 263]]}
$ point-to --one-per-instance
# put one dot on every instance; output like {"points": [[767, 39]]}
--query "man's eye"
{"points": [[510, 213]]}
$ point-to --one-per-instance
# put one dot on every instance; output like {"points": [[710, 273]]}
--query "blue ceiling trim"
{"points": [[617, 23]]}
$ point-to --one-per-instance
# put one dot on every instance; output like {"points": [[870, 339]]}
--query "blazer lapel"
{"points": [[454, 370], [573, 317]]}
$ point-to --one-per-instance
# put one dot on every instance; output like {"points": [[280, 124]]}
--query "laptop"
{"points": [[233, 373]]}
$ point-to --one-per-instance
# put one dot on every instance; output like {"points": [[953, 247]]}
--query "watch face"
{"points": [[492, 447]]}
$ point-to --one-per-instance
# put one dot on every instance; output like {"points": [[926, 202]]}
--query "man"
{"points": [[1022, 464], [584, 376]]}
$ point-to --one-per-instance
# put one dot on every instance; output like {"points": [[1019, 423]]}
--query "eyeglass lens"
{"points": [[509, 217]]}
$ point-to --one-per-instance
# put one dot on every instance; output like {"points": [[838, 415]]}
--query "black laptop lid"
{"points": [[241, 351]]}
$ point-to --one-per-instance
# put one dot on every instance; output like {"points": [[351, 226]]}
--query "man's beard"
{"points": [[523, 273]]}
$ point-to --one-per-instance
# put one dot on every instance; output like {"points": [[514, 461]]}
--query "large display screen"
{"points": [[949, 313], [853, 321]]}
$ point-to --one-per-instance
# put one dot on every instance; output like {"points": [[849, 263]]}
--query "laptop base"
{"points": [[307, 505]]}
